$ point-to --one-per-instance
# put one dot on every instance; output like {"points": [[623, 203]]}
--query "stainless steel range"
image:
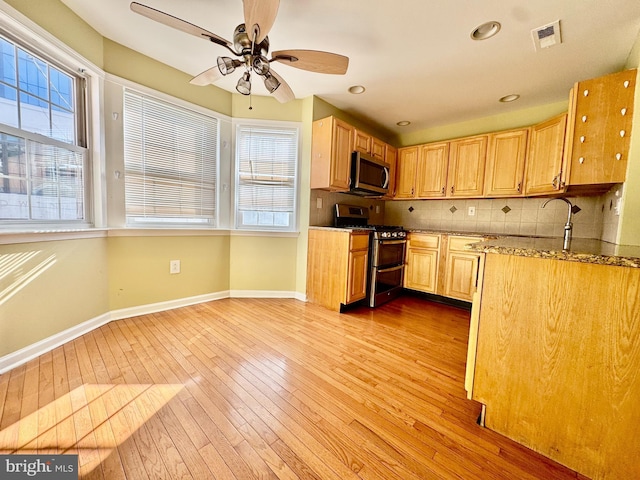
{"points": [[387, 246]]}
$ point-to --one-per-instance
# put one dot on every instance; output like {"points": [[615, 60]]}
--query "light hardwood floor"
{"points": [[255, 388]]}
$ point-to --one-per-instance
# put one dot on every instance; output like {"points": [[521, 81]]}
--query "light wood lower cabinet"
{"points": [[337, 265], [423, 252], [440, 264], [558, 360]]}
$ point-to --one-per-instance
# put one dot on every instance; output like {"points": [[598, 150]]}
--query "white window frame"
{"points": [[297, 126], [176, 222], [48, 51]]}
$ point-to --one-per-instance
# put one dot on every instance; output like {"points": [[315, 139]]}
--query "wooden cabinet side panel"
{"points": [[391, 157], [327, 267], [322, 131], [558, 361], [598, 123]]}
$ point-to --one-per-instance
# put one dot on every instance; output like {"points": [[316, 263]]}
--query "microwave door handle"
{"points": [[385, 184]]}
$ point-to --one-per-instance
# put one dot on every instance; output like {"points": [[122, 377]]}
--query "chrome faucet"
{"points": [[568, 227]]}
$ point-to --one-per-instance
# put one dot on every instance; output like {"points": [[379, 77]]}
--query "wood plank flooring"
{"points": [[264, 389]]}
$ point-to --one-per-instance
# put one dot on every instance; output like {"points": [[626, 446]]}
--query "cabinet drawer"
{"points": [[359, 242], [458, 243], [421, 240]]}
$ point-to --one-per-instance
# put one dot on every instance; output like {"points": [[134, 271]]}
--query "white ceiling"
{"points": [[415, 57]]}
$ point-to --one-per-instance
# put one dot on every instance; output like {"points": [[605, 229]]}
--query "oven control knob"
{"points": [[394, 234]]}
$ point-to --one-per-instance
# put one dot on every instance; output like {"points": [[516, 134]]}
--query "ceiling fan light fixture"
{"points": [[356, 89], [510, 98], [244, 84], [486, 30], [226, 65], [260, 65], [271, 82]]}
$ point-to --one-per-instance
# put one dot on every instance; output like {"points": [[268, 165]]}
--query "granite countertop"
{"points": [[580, 250]]}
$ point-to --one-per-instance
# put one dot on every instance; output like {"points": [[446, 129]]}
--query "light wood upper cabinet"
{"points": [[379, 149], [406, 172], [331, 149], [467, 159], [365, 143], [506, 154], [545, 157], [431, 174], [600, 129], [391, 158], [361, 141]]}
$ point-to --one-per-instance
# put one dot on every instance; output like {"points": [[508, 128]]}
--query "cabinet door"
{"points": [[341, 155], [391, 157], [362, 142], [506, 154], [405, 178], [357, 276], [422, 270], [467, 158], [601, 122], [545, 156], [378, 149], [460, 279], [432, 170]]}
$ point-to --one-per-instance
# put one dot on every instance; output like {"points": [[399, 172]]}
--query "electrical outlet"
{"points": [[174, 266], [472, 211], [319, 202]]}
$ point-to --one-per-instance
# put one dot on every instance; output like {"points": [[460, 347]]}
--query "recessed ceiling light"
{"points": [[510, 98], [486, 30], [356, 89], [403, 123]]}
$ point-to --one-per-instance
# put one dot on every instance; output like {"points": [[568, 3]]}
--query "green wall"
{"points": [[48, 287]]}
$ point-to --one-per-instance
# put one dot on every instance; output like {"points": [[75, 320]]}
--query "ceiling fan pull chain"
{"points": [[250, 106]]}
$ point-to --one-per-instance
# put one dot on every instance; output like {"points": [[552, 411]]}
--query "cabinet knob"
{"points": [[626, 84], [452, 189], [581, 160], [519, 186], [584, 119], [582, 139], [622, 133], [443, 189], [618, 156], [586, 93], [623, 112]]}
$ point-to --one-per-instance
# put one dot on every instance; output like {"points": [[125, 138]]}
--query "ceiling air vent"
{"points": [[547, 35]]}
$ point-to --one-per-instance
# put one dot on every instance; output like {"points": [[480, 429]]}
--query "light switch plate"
{"points": [[472, 211]]}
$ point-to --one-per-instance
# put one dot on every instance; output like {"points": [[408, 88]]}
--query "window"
{"points": [[43, 162], [170, 156], [266, 176]]}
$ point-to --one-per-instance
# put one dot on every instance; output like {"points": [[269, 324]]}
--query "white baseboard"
{"points": [[17, 358]]}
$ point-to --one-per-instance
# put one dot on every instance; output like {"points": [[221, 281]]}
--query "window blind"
{"points": [[170, 163], [266, 170]]}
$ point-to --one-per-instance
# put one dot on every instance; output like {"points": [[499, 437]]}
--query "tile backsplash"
{"points": [[593, 217]]}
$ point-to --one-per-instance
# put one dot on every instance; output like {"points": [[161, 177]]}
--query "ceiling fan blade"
{"points": [[178, 24], [313, 60], [262, 13], [208, 76], [283, 93]]}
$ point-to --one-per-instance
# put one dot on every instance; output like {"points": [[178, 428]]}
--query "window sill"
{"points": [[34, 236]]}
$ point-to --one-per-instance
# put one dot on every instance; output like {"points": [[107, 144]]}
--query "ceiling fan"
{"points": [[251, 45]]}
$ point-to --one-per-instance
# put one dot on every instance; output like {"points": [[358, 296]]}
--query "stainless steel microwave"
{"points": [[369, 176]]}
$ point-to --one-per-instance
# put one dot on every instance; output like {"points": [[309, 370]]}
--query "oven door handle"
{"points": [[391, 242], [390, 269]]}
